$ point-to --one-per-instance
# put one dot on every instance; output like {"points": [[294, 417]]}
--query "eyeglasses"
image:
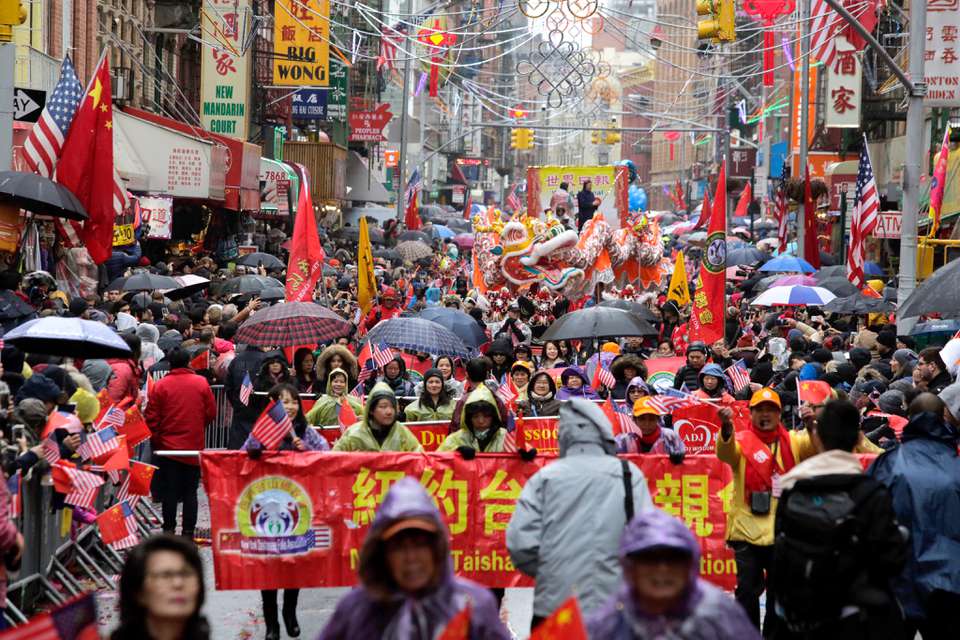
{"points": [[170, 575]]}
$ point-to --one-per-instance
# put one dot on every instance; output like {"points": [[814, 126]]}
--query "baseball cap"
{"points": [[766, 394], [420, 524], [643, 408]]}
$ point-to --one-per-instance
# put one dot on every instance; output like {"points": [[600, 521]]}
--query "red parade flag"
{"points": [[565, 623], [112, 525], [411, 217], [87, 168], [134, 428], [119, 458], [814, 391], [141, 474], [346, 416], [744, 201], [202, 361], [704, 212], [458, 627], [75, 620], [305, 265], [811, 249], [706, 319]]}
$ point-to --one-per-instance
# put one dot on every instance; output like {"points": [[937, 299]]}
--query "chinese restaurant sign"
{"points": [[225, 67], [942, 54], [301, 33], [844, 87]]}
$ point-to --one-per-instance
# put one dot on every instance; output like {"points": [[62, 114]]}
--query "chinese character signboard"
{"points": [[844, 87], [301, 37], [225, 67], [367, 126], [942, 53], [609, 184], [310, 104], [157, 213], [337, 95]]}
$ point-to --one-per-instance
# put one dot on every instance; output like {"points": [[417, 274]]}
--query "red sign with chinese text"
{"points": [[367, 126]]}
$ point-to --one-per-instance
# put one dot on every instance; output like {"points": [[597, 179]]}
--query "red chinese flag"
{"points": [[135, 429], [704, 212], [61, 481], [111, 524], [346, 416], [706, 318], [306, 255], [815, 391], [744, 201], [411, 217], [86, 164], [565, 623], [141, 474], [55, 420], [201, 361], [811, 248], [458, 628], [118, 459]]}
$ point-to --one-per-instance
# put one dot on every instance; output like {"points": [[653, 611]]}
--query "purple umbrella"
{"points": [[464, 240]]}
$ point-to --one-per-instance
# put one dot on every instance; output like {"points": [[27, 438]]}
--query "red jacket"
{"points": [[181, 406], [124, 385]]}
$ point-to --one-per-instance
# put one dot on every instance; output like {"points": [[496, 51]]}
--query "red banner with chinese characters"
{"points": [[699, 426], [297, 520]]}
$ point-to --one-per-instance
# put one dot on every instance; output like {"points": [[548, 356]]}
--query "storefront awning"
{"points": [[280, 186], [362, 185], [151, 158], [242, 191]]}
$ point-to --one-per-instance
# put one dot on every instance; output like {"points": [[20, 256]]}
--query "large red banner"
{"points": [[298, 519]]}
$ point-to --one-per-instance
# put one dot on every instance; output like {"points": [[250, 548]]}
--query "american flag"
{"points": [[623, 420], [130, 521], [604, 377], [390, 37], [246, 388], [510, 440], [825, 25], [513, 201], [75, 619], [51, 451], [381, 354], [272, 426], [670, 399], [99, 443], [506, 393], [738, 375], [413, 188], [112, 417], [42, 148], [866, 207], [357, 391], [83, 487], [782, 212], [13, 487]]}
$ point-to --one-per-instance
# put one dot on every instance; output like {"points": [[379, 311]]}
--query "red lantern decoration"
{"points": [[767, 12], [437, 42]]}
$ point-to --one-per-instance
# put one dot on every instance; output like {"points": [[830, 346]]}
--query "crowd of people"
{"points": [[826, 545]]}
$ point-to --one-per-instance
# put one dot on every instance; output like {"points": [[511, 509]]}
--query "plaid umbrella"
{"points": [[417, 334], [291, 324], [413, 250]]}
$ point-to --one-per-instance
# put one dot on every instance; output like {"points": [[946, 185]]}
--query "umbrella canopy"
{"points": [[417, 334], [935, 326], [461, 324], [143, 281], [788, 263], [442, 232], [69, 337], [859, 304], [831, 271], [353, 233], [464, 240], [807, 281], [827, 259], [793, 296], [697, 236], [640, 310], [248, 284], [417, 236], [13, 309], [412, 250], [459, 225], [388, 254], [40, 195], [291, 324], [745, 255], [597, 322], [838, 285], [189, 285], [268, 260], [873, 269], [938, 294], [273, 294]]}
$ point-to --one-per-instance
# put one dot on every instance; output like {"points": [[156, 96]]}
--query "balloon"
{"points": [[637, 198]]}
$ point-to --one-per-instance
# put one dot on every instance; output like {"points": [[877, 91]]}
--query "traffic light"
{"points": [[515, 137], [12, 13], [720, 26], [595, 137], [612, 136], [529, 138]]}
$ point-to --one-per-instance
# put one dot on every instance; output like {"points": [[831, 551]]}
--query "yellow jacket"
{"points": [[742, 524]]}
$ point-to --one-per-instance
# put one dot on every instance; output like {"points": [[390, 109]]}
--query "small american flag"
{"points": [[99, 444], [513, 201], [113, 417], [605, 378], [51, 451], [13, 487], [130, 520], [738, 375], [246, 389], [670, 399], [272, 426], [506, 393], [367, 371], [381, 354], [83, 487], [75, 619], [510, 440], [357, 391], [866, 208]]}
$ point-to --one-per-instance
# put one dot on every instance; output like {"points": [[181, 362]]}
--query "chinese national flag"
{"points": [[565, 623], [744, 201], [61, 481], [815, 391], [118, 459], [86, 164], [75, 620], [112, 525], [55, 420], [704, 212], [306, 255], [141, 474], [458, 628], [411, 217], [346, 416], [706, 317], [135, 429], [811, 248], [202, 361]]}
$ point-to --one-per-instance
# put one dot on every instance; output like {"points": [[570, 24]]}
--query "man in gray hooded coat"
{"points": [[567, 525]]}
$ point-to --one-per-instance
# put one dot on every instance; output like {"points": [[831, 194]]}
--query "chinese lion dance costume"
{"points": [[526, 250]]}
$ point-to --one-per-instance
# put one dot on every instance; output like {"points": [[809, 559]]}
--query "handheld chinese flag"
{"points": [[366, 282], [306, 255], [112, 524], [811, 248], [621, 422], [458, 627], [707, 315], [346, 416], [86, 164], [141, 474], [939, 183], [202, 361], [565, 623], [75, 620], [744, 201], [814, 391], [119, 459], [679, 290], [135, 428]]}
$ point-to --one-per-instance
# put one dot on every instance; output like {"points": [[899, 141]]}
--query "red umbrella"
{"points": [[292, 324]]}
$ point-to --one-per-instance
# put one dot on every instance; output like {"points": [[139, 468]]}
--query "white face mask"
{"points": [[481, 434]]}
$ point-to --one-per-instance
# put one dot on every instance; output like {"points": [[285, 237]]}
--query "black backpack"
{"points": [[818, 561]]}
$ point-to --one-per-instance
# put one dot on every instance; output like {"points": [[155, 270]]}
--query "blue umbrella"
{"points": [[442, 232], [417, 334], [71, 337], [793, 296], [460, 323], [788, 263], [935, 326], [872, 269]]}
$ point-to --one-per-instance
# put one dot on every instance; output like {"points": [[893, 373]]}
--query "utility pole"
{"points": [[804, 108], [402, 162]]}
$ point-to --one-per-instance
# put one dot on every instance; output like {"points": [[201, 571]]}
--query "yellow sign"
{"points": [[301, 36], [225, 66], [604, 185], [679, 290], [122, 235]]}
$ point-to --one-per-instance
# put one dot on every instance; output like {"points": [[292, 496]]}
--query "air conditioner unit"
{"points": [[120, 81]]}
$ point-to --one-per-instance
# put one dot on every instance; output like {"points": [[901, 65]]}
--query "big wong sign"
{"points": [[301, 31], [299, 519]]}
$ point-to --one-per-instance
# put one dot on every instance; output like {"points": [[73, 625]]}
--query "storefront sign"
{"points": [[309, 104], [457, 194], [844, 87], [743, 162], [367, 126], [888, 225], [391, 158], [225, 66], [337, 95], [157, 213], [942, 54], [609, 184], [301, 36], [274, 187]]}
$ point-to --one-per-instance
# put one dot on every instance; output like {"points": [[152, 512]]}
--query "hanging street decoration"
{"points": [[437, 41], [767, 12]]}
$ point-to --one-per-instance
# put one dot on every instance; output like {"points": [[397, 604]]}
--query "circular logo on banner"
{"points": [[716, 256], [274, 507]]}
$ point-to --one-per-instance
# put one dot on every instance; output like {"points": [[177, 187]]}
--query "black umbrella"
{"points": [[839, 286], [353, 233], [13, 309], [388, 254], [416, 236], [827, 260], [256, 259], [273, 294], [461, 324], [597, 322], [830, 271], [143, 281], [858, 304], [40, 195], [745, 255], [248, 284], [640, 310], [938, 294]]}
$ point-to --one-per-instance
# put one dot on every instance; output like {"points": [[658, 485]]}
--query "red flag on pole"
{"points": [[306, 255], [811, 249], [744, 201], [706, 318], [704, 212], [86, 164]]}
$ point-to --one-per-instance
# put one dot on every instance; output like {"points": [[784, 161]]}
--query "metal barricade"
{"points": [[218, 431]]}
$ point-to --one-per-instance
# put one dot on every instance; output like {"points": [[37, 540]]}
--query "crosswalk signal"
{"points": [[720, 26], [12, 13]]}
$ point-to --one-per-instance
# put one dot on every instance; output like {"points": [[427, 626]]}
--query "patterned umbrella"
{"points": [[413, 250], [292, 324], [417, 334], [793, 296], [441, 231]]}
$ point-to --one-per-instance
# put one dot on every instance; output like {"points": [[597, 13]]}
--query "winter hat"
{"points": [[892, 402], [40, 387], [887, 339], [905, 356], [951, 397], [860, 357], [821, 355], [810, 371]]}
